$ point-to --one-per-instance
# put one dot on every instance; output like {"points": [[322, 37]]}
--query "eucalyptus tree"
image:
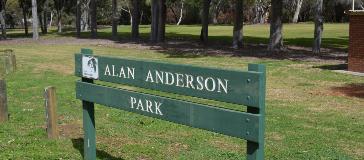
{"points": [[35, 20], [205, 21], [25, 5], [115, 19], [238, 25], [135, 19], [158, 8], [93, 18], [297, 10], [276, 26], [319, 27], [2, 18]]}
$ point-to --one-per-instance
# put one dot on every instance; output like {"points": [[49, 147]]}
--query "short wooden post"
{"points": [[51, 115], [3, 102], [8, 62]]}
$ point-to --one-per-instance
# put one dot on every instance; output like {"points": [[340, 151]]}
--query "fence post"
{"points": [[255, 151], [3, 102], [89, 142], [51, 114]]}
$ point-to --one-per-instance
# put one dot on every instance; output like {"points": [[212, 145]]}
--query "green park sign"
{"points": [[238, 87]]}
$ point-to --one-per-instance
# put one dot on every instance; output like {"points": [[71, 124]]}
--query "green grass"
{"points": [[307, 117], [334, 36]]}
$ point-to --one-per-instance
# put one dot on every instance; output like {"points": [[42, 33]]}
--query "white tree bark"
{"points": [[297, 12], [181, 13], [35, 20]]}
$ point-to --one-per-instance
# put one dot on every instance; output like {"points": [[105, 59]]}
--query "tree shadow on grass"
{"points": [[333, 67], [78, 144], [185, 45], [351, 90]]}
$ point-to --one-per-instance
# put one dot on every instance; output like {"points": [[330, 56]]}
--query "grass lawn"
{"points": [[312, 112]]}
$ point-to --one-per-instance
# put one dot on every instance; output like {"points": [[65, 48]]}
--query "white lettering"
{"points": [[132, 101], [207, 84], [157, 109], [140, 105], [131, 72], [179, 80], [223, 85], [149, 105], [168, 75], [107, 71], [189, 79], [149, 76], [113, 71], [200, 84], [158, 77], [122, 72]]}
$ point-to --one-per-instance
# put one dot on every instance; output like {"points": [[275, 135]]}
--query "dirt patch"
{"points": [[175, 148], [223, 145], [275, 136], [350, 90], [73, 130]]}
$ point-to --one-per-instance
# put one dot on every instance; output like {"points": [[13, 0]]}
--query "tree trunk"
{"points": [[180, 13], [59, 21], [45, 18], [162, 20], [25, 19], [205, 21], [35, 20], [93, 19], [297, 12], [154, 24], [319, 27], [41, 22], [2, 19], [78, 18], [276, 38], [238, 25], [85, 9], [115, 20], [135, 11], [51, 20]]}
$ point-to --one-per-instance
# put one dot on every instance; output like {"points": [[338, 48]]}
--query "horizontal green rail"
{"points": [[232, 123], [239, 87]]}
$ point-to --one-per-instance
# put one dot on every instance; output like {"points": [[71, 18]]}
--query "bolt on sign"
{"points": [[246, 88]]}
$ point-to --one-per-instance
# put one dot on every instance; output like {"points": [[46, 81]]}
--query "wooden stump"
{"points": [[51, 115], [8, 62], [3, 102]]}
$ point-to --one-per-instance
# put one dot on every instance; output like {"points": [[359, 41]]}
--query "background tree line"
{"points": [[62, 12], [88, 14]]}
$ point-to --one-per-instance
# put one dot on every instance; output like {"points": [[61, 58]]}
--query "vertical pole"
{"points": [[3, 102], [89, 142], [256, 150], [51, 114], [353, 5]]}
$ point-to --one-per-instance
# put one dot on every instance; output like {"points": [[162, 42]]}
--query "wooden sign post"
{"points": [[3, 102], [51, 114], [239, 87]]}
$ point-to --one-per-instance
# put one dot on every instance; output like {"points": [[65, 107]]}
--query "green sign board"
{"points": [[239, 87]]}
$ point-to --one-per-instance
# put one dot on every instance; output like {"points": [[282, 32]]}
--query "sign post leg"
{"points": [[255, 151], [89, 140]]}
